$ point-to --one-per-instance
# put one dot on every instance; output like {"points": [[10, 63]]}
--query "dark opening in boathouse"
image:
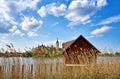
{"points": [[79, 51]]}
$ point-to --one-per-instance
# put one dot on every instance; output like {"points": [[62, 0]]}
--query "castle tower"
{"points": [[57, 44]]}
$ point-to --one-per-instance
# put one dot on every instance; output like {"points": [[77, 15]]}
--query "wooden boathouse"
{"points": [[79, 51]]}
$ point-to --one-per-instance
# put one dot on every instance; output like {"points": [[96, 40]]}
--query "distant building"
{"points": [[79, 51], [57, 44]]}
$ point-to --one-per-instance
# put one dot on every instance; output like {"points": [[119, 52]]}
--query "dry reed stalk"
{"points": [[22, 72], [104, 70], [1, 73], [13, 71], [31, 69], [37, 71], [51, 68], [29, 75]]}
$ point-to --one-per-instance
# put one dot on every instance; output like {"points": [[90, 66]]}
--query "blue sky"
{"points": [[27, 23]]}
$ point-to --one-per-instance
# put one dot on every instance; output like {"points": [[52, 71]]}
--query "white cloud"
{"points": [[80, 11], [31, 24], [18, 32], [54, 24], [21, 5], [42, 11], [93, 36], [101, 30], [72, 24], [6, 21], [4, 10], [13, 22], [6, 27], [9, 9], [76, 23], [4, 40], [52, 9], [13, 29], [101, 3], [110, 20], [32, 34], [58, 11]]}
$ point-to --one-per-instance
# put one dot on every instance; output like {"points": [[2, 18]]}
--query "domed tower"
{"points": [[57, 44]]}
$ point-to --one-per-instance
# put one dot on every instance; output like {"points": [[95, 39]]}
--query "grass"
{"points": [[56, 70]]}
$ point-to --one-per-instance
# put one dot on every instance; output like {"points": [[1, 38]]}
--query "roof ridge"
{"points": [[78, 38], [71, 43]]}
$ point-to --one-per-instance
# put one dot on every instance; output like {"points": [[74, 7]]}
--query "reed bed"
{"points": [[57, 70]]}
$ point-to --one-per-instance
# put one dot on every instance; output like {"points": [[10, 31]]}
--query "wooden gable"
{"points": [[79, 44], [79, 51]]}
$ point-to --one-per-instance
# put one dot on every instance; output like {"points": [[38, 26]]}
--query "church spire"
{"points": [[57, 44]]}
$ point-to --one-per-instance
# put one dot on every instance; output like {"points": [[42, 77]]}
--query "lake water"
{"points": [[28, 61], [107, 59]]}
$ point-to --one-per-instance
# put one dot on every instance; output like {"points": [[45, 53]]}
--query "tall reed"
{"points": [[56, 70]]}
